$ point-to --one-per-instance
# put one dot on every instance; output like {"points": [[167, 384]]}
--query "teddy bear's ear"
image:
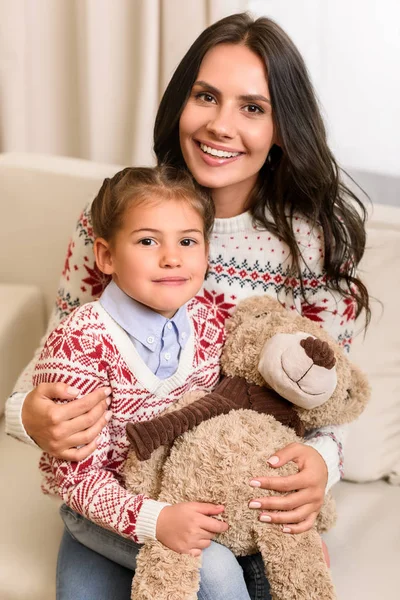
{"points": [[358, 394], [252, 307]]}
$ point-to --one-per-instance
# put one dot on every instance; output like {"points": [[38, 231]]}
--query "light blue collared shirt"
{"points": [[157, 340]]}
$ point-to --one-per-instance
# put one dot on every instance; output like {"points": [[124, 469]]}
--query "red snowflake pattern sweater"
{"points": [[88, 350], [244, 260]]}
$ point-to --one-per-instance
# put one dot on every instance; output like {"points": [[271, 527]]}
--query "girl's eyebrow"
{"points": [[243, 97], [150, 230]]}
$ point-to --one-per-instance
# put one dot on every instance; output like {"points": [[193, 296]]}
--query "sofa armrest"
{"points": [[22, 322]]}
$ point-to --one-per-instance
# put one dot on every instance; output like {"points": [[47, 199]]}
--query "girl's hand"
{"points": [[66, 431], [188, 527], [298, 510]]}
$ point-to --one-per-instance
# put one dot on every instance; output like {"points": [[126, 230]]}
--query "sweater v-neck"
{"points": [[159, 387]]}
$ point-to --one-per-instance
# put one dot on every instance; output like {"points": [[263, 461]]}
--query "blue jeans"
{"points": [[96, 564]]}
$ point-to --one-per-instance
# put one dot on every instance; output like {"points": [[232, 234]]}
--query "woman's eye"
{"points": [[253, 109], [188, 242], [205, 97], [147, 242]]}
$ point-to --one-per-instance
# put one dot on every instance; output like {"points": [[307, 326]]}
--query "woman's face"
{"points": [[226, 128]]}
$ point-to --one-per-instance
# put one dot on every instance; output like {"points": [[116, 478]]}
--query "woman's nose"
{"points": [[222, 124]]}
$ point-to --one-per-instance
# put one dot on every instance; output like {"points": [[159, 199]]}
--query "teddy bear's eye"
{"points": [[265, 314]]}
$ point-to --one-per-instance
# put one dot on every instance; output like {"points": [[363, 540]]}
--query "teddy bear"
{"points": [[282, 375]]}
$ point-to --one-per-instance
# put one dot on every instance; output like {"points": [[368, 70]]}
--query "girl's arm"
{"points": [[31, 416], [92, 486]]}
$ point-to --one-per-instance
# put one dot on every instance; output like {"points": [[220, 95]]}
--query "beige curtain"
{"points": [[83, 78]]}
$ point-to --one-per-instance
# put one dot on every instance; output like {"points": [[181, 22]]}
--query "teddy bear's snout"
{"points": [[300, 367], [319, 352]]}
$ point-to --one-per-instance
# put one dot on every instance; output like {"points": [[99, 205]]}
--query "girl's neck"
{"points": [[231, 201]]}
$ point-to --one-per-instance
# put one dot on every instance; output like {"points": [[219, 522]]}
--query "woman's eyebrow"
{"points": [[254, 98], [207, 86], [242, 97]]}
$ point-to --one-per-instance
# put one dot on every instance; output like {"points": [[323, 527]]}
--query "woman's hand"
{"points": [[299, 509], [66, 431]]}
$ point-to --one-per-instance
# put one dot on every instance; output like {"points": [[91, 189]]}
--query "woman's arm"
{"points": [[320, 458], [31, 416], [336, 315]]}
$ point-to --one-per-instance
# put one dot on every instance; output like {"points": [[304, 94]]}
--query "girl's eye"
{"points": [[188, 242], [205, 97], [147, 242], [253, 109]]}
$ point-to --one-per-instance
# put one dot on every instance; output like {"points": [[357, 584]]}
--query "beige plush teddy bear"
{"points": [[270, 354]]}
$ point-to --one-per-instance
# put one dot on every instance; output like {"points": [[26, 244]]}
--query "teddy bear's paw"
{"points": [[295, 565], [327, 516], [163, 574]]}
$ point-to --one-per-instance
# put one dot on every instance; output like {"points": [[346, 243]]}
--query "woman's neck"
{"points": [[231, 201]]}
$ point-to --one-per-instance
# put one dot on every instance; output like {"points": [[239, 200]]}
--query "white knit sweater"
{"points": [[244, 260]]}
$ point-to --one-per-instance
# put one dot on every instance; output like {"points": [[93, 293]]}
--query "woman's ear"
{"points": [[103, 256]]}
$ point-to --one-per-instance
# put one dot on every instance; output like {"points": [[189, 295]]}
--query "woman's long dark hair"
{"points": [[299, 176]]}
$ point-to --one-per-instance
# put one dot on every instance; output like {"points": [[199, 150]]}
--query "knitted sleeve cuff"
{"points": [[14, 426], [146, 521], [331, 451]]}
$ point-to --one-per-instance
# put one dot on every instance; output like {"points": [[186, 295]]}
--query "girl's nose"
{"points": [[170, 258]]}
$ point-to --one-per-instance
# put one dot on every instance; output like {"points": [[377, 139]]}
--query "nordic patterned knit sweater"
{"points": [[88, 350], [244, 260]]}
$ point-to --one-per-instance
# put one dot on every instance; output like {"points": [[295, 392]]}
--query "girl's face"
{"points": [[226, 128], [159, 255]]}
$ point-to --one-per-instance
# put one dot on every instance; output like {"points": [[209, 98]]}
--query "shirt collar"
{"points": [[140, 321]]}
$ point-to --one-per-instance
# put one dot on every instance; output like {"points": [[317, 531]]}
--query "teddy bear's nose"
{"points": [[320, 352]]}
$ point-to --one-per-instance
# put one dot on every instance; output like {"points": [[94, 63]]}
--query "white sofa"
{"points": [[40, 200]]}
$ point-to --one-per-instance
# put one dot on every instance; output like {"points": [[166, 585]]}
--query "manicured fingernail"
{"points": [[108, 415], [265, 518], [286, 529], [72, 390], [254, 504], [255, 483], [108, 401], [107, 391], [273, 460], [98, 439]]}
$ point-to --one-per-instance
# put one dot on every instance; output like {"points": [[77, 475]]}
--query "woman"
{"points": [[240, 114]]}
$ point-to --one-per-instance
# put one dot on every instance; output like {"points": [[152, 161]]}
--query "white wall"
{"points": [[352, 50]]}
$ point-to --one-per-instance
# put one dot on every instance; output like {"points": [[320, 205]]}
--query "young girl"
{"points": [[150, 341], [241, 116]]}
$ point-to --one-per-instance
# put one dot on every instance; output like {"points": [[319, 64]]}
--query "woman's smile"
{"points": [[217, 156]]}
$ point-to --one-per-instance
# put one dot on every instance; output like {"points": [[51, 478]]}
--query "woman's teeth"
{"points": [[219, 153]]}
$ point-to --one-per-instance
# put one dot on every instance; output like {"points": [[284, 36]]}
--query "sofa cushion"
{"points": [[22, 319], [364, 545], [373, 447], [44, 196], [29, 523]]}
